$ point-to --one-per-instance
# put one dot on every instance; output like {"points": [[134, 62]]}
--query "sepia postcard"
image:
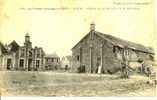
{"points": [[78, 48]]}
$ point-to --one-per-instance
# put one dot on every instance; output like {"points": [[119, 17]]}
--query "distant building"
{"points": [[15, 57], [66, 62], [52, 62], [102, 50]]}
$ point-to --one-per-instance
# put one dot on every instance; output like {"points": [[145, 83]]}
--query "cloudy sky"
{"points": [[58, 30]]}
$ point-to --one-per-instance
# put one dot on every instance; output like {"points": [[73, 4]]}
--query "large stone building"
{"points": [[15, 57], [97, 49]]}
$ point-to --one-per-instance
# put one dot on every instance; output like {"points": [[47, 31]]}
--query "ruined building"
{"points": [[16, 57]]}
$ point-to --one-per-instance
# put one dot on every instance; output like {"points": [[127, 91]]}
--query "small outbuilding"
{"points": [[66, 62], [52, 62]]}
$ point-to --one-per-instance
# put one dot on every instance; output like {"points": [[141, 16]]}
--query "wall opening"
{"points": [[78, 58], [66, 67], [29, 64], [22, 63], [9, 62], [37, 63]]}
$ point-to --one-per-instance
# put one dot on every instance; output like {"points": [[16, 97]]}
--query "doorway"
{"points": [[29, 64], [9, 62], [21, 63]]}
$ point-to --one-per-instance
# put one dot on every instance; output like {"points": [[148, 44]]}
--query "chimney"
{"points": [[92, 27], [92, 31]]}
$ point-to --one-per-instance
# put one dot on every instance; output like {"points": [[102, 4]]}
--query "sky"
{"points": [[60, 29]]}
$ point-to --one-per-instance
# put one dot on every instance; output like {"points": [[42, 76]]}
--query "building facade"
{"points": [[8, 56], [52, 62], [102, 50], [66, 62], [15, 57]]}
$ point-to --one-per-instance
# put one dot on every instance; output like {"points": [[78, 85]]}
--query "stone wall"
{"points": [[110, 61], [107, 56]]}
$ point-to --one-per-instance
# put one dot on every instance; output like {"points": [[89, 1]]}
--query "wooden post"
{"points": [[91, 60], [101, 63]]}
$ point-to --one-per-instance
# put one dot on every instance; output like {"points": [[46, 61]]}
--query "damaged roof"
{"points": [[121, 43], [2, 47], [14, 46]]}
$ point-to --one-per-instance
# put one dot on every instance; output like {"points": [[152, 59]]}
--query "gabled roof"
{"points": [[69, 57], [54, 55], [120, 42], [14, 46], [81, 40]]}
